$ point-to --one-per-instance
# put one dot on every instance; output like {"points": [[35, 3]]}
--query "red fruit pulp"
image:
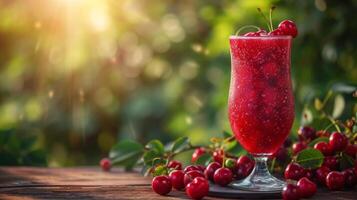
{"points": [[261, 106]]}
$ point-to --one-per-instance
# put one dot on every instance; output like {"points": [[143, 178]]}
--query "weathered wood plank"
{"points": [[25, 176], [91, 183]]}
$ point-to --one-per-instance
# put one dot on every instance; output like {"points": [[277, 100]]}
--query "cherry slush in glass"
{"points": [[261, 105]]}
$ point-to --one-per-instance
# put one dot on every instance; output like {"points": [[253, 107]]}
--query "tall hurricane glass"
{"points": [[261, 104]]}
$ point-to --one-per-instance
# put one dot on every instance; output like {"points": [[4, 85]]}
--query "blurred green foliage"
{"points": [[78, 74]]}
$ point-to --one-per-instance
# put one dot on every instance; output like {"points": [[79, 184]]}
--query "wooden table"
{"points": [[92, 183]]}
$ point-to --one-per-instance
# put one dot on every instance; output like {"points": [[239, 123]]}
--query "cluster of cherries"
{"points": [[194, 179], [301, 182], [286, 27], [329, 174]]}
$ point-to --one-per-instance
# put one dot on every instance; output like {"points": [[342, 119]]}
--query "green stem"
{"points": [[333, 121], [271, 17], [272, 165], [187, 149], [328, 127], [266, 19]]}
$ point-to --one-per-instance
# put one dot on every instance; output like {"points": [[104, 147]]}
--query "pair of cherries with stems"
{"points": [[286, 27]]}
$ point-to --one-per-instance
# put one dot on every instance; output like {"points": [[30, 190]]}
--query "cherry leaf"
{"points": [[310, 158]]}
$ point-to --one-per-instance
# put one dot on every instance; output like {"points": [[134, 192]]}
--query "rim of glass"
{"points": [[261, 37]]}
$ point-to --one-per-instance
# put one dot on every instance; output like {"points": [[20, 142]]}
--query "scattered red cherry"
{"points": [[218, 155], [105, 164], [306, 187], [262, 32], [294, 171], [242, 171], [335, 180], [324, 148], [174, 164], [201, 168], [252, 34], [223, 176], [299, 146], [176, 178], [338, 141], [309, 173], [197, 153], [350, 177], [210, 169], [351, 150], [331, 162], [290, 192], [288, 27], [321, 174], [198, 188], [244, 160], [189, 176], [287, 142], [281, 154], [322, 133], [244, 167], [306, 133], [191, 168], [161, 185], [276, 32]]}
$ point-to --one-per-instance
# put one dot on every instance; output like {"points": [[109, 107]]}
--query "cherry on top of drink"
{"points": [[285, 28]]}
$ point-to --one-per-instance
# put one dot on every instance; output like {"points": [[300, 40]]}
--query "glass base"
{"points": [[260, 179], [258, 184]]}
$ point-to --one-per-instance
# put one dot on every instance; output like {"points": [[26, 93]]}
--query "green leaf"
{"points": [[156, 145], [346, 161], [234, 148], [158, 161], [338, 107], [149, 156], [226, 134], [204, 159], [180, 144], [310, 158], [319, 139], [126, 153]]}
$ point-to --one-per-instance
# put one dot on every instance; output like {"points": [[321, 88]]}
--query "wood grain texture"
{"points": [[91, 183]]}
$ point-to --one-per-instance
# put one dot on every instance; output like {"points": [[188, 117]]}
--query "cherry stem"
{"points": [[266, 19], [247, 26], [271, 17]]}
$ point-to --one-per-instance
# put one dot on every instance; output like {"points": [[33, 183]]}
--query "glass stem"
{"points": [[261, 168]]}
